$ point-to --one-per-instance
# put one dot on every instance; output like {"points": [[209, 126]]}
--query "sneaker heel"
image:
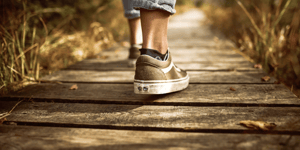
{"points": [[131, 63]]}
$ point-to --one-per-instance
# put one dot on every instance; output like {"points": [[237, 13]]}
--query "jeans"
{"points": [[130, 6]]}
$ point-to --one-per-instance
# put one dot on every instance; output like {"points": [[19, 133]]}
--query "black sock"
{"points": [[154, 53]]}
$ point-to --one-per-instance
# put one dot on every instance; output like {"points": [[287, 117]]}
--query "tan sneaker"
{"points": [[153, 76], [134, 53]]}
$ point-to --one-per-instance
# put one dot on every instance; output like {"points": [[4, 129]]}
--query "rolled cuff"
{"points": [[132, 14], [166, 5]]}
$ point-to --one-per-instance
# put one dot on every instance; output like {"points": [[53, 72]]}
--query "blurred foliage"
{"points": [[268, 31], [39, 37], [183, 2]]}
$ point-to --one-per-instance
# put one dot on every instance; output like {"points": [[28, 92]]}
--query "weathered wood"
{"points": [[217, 66], [192, 32], [198, 42], [190, 25], [205, 118], [209, 51], [181, 55], [202, 54], [195, 94], [122, 65], [128, 76], [49, 138]]}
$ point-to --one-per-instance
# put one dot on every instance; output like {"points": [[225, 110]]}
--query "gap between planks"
{"points": [[152, 129], [99, 101]]}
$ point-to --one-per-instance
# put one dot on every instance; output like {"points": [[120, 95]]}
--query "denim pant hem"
{"points": [[132, 14], [149, 5]]}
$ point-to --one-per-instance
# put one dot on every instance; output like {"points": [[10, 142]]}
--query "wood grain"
{"points": [[195, 94], [128, 76], [208, 118], [194, 66], [195, 42], [49, 138], [194, 55]]}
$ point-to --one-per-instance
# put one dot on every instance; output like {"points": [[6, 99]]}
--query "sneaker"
{"points": [[156, 76], [134, 53]]}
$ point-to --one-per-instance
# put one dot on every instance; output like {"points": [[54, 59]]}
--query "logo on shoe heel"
{"points": [[140, 88]]}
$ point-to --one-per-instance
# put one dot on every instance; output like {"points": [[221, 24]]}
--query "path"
{"points": [[104, 113]]}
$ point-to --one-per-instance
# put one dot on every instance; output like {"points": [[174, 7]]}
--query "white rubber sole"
{"points": [[160, 86]]}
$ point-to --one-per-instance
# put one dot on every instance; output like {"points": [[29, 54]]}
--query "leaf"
{"points": [[2, 120], [74, 87], [265, 78], [12, 123], [258, 66], [232, 89], [258, 125]]}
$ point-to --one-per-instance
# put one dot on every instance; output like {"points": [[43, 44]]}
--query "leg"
{"points": [[134, 22], [155, 72], [135, 31], [154, 27]]}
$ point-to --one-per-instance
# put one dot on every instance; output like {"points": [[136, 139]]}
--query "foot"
{"points": [[134, 53], [158, 75]]}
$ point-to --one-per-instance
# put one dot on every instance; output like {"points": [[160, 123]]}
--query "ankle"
{"points": [[161, 47], [137, 45], [154, 54]]}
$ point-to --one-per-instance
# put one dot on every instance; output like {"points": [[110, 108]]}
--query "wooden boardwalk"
{"points": [[104, 113]]}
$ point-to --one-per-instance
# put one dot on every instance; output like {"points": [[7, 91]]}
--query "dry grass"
{"points": [[267, 31], [30, 48]]}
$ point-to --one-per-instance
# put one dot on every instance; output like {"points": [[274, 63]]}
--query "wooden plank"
{"points": [[186, 51], [195, 42], [217, 66], [49, 138], [195, 94], [128, 76], [122, 65], [147, 116], [192, 32], [202, 59], [181, 55], [234, 58]]}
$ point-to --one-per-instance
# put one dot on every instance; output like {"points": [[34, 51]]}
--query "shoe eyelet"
{"points": [[145, 88], [140, 88]]}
